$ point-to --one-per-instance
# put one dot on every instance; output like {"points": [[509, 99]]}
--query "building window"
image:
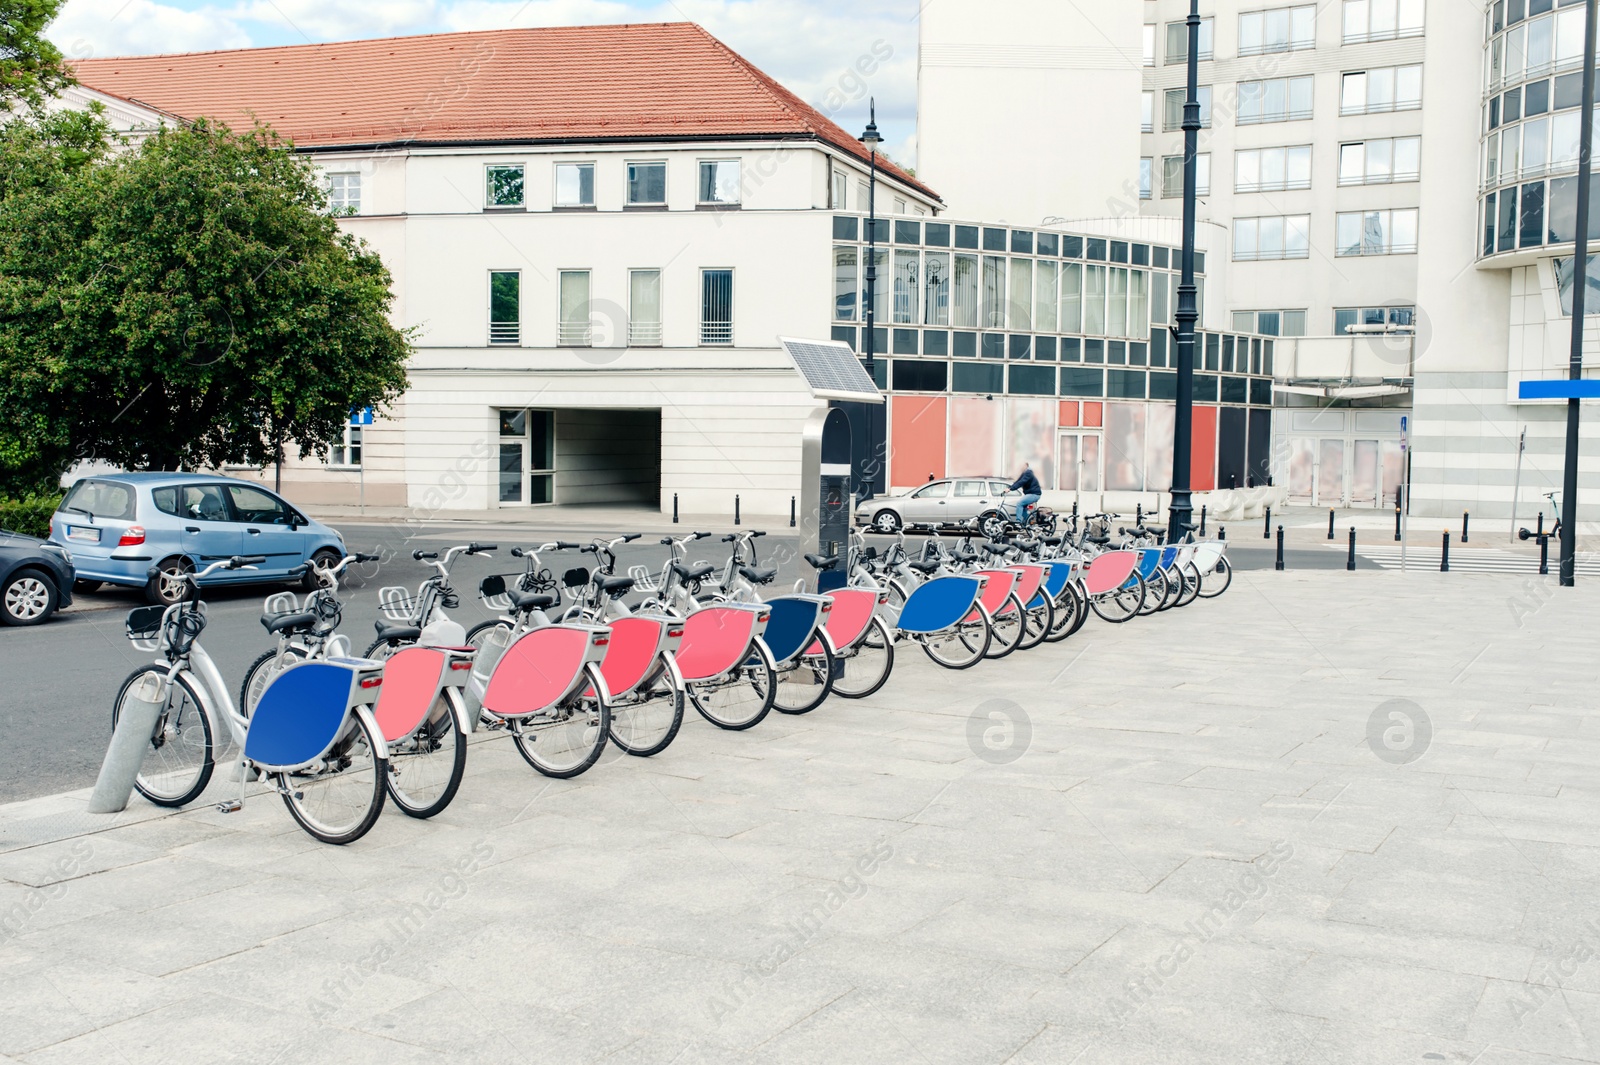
{"points": [[1538, 48], [964, 292], [719, 182], [1172, 107], [1397, 319], [647, 184], [1279, 29], [344, 194], [1382, 20], [1272, 237], [1146, 167], [1377, 233], [502, 186], [644, 308], [838, 183], [1149, 45], [1274, 100], [863, 197], [1178, 40], [846, 282], [1380, 162], [1272, 169], [907, 265], [899, 205], [1591, 292], [527, 456], [575, 328], [348, 451], [1271, 323], [574, 185], [1172, 175], [1147, 112], [936, 288], [994, 292], [1365, 92], [505, 307], [716, 306]]}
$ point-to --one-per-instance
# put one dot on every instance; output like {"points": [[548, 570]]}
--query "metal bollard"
{"points": [[1222, 532], [1074, 508], [1544, 555], [791, 512], [1465, 515], [1538, 530], [1202, 520], [1138, 513], [674, 508], [1279, 563], [1396, 524], [736, 509], [1266, 525], [1350, 562], [141, 709], [1444, 558], [1330, 524]]}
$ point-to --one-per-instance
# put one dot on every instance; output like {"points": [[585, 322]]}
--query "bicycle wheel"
{"points": [[962, 645], [866, 666], [1122, 604], [262, 672], [179, 759], [1037, 622], [1191, 585], [426, 767], [476, 634], [739, 700], [803, 687], [339, 799], [1008, 625], [1080, 593], [650, 719], [566, 739], [1156, 591], [1063, 620], [1216, 582], [381, 650]]}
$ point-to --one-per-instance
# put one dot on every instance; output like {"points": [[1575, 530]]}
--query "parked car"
{"points": [[949, 501], [146, 529], [35, 578]]}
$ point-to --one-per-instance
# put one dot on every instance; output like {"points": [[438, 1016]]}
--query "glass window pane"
{"points": [[1408, 87], [845, 283], [965, 282], [647, 183], [1247, 171], [1094, 301], [907, 265], [1353, 96], [504, 186], [644, 307], [1021, 297], [936, 289], [994, 292], [574, 285], [1045, 286], [719, 181], [510, 472], [1071, 298], [1117, 307], [1299, 175]]}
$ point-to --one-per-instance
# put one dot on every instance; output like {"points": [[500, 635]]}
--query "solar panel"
{"points": [[831, 369]]}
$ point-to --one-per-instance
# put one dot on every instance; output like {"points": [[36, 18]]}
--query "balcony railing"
{"points": [[505, 332], [1273, 116], [644, 334], [1381, 179], [1272, 186], [1276, 47], [719, 333], [576, 335], [1383, 35], [1383, 107], [1270, 255], [1356, 250]]}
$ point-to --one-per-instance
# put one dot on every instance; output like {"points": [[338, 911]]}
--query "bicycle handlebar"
{"points": [[420, 555]]}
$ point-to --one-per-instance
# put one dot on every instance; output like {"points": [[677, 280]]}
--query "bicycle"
{"points": [[1554, 532], [304, 630], [313, 734], [420, 617], [863, 641], [942, 612]]}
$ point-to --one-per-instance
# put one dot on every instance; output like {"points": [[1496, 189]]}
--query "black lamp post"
{"points": [[1580, 282], [870, 139], [1181, 509]]}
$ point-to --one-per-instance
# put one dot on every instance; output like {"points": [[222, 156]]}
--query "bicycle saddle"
{"points": [[532, 600], [396, 633], [924, 567], [1093, 539], [686, 574], [1053, 541], [276, 623], [616, 586], [996, 549], [1154, 530], [819, 562], [757, 576]]}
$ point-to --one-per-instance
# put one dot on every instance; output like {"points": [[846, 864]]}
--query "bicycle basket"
{"points": [[281, 603], [492, 590], [398, 602], [144, 627], [543, 581], [576, 577], [644, 580]]}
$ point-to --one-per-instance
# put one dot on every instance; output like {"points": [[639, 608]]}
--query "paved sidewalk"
{"points": [[1198, 837]]}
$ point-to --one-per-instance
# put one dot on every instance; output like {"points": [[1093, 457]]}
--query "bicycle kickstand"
{"points": [[233, 806]]}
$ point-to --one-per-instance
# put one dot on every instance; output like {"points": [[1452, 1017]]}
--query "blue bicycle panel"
{"points": [[1054, 581], [791, 626], [299, 715], [939, 604], [1169, 555], [1149, 560]]}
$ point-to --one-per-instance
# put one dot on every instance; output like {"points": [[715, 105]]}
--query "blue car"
{"points": [[145, 529]]}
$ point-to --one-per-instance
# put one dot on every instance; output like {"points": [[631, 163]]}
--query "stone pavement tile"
{"points": [[1356, 991], [26, 909], [662, 1048], [68, 998], [501, 1024], [1038, 853], [160, 882], [144, 942], [55, 863], [1050, 940], [214, 1027], [1418, 901], [1539, 1019], [1458, 953]]}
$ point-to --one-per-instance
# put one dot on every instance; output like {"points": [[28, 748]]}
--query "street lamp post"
{"points": [[1181, 509], [1580, 282], [870, 139]]}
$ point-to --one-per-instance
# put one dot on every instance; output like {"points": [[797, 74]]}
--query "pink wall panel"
{"points": [[916, 439], [1032, 438], [974, 436]]}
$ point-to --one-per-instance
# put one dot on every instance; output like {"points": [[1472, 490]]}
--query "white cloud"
{"points": [[318, 20], [96, 28]]}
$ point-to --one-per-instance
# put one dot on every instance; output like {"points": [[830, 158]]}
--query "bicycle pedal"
{"points": [[229, 806]]}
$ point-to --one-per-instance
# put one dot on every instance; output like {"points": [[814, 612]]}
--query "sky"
{"points": [[811, 46]]}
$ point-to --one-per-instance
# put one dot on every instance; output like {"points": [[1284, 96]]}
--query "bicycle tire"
{"points": [[1081, 593], [876, 645], [1128, 601], [475, 634], [362, 801], [1191, 585], [381, 650], [423, 746], [1152, 602], [822, 671], [1007, 627], [248, 698], [633, 742], [967, 634], [183, 789], [595, 730], [1037, 622], [1208, 590], [761, 677], [1064, 618]]}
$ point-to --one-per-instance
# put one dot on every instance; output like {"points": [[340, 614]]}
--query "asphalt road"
{"points": [[61, 677]]}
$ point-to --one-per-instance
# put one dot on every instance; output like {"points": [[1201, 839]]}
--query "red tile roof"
{"points": [[647, 81]]}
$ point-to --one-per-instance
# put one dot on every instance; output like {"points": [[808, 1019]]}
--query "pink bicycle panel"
{"points": [[715, 640], [1001, 582], [410, 686], [848, 620], [634, 642], [1107, 572], [536, 671], [1029, 577]]}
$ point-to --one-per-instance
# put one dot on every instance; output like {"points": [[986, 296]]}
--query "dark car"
{"points": [[35, 578]]}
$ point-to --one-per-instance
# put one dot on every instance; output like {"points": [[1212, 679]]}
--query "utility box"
{"points": [[825, 511]]}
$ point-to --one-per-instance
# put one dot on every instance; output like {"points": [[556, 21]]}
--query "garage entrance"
{"points": [[581, 455]]}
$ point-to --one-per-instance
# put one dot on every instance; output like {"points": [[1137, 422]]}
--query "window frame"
{"points": [[1395, 175], [339, 454], [1288, 114], [706, 324], [1369, 108], [1287, 184], [489, 170], [555, 186], [573, 334], [635, 339], [700, 181], [629, 181], [1208, 28], [1368, 34], [512, 337], [1254, 226], [1202, 170], [1292, 44], [1388, 247], [344, 208]]}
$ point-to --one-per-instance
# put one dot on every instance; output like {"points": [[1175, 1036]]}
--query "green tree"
{"points": [[187, 304], [31, 68]]}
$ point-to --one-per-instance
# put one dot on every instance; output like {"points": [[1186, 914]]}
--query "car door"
{"points": [[972, 499], [930, 503], [270, 528], [206, 528]]}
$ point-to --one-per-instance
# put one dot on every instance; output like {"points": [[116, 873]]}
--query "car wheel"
{"points": [[991, 524], [169, 585], [326, 558], [886, 521], [29, 598], [86, 586]]}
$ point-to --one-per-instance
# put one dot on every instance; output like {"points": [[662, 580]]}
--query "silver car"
{"points": [[950, 501]]}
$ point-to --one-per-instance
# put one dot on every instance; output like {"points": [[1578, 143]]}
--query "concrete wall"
{"points": [[608, 456]]}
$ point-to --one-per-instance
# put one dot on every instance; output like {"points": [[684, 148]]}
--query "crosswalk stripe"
{"points": [[1472, 560]]}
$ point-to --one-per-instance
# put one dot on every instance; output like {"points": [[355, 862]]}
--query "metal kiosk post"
{"points": [[825, 492]]}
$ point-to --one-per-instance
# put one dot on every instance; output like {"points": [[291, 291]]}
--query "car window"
{"points": [[999, 488], [934, 491], [254, 505], [971, 489], [103, 499], [166, 500], [203, 502]]}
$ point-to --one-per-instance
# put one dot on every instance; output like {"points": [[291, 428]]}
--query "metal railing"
{"points": [[1380, 108], [1382, 179], [644, 334], [1272, 186], [505, 332], [1399, 33], [576, 335], [1275, 116]]}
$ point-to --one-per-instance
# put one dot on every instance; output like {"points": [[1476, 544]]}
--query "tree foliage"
{"points": [[31, 68], [187, 304]]}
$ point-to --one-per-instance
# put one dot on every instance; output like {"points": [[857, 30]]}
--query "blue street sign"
{"points": [[1588, 388], [361, 417]]}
